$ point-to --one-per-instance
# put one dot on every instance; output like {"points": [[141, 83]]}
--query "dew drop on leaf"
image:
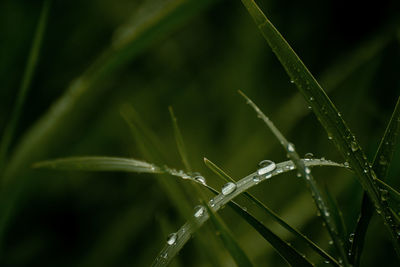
{"points": [[199, 211], [228, 188], [266, 166], [171, 239]]}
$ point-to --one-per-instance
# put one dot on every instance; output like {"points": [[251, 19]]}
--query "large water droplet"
{"points": [[266, 166], [228, 188], [346, 164], [198, 178], [199, 211], [171, 239]]}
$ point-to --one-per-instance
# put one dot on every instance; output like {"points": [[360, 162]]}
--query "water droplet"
{"points": [[200, 179], [326, 213], [351, 237], [212, 202], [339, 114], [171, 239], [291, 81], [354, 146], [228, 188], [346, 164], [256, 179], [199, 211], [365, 170], [330, 137], [298, 174], [268, 175], [266, 166], [311, 98], [309, 155], [327, 262], [290, 147], [307, 170], [309, 107], [330, 242]]}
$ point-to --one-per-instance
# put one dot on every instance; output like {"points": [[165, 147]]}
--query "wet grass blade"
{"points": [[337, 215], [393, 192], [25, 84], [284, 249], [274, 216], [382, 160], [305, 172], [230, 243], [99, 164], [179, 141], [326, 113]]}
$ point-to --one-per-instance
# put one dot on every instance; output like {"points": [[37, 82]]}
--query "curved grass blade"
{"points": [[230, 243], [99, 164], [274, 216], [305, 172], [25, 85], [327, 114], [382, 160], [216, 203], [179, 141]]}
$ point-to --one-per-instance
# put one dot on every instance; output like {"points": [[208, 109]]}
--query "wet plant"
{"points": [[198, 195]]}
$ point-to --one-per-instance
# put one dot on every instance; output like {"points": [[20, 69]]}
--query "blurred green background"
{"points": [[196, 63]]}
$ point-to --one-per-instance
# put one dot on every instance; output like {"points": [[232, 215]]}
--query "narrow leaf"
{"points": [[25, 84], [179, 141], [274, 216], [326, 113], [305, 172], [382, 160], [99, 164], [230, 243]]}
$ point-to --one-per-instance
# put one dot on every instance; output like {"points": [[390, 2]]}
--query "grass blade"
{"points": [[99, 164], [382, 160], [179, 141], [26, 82], [230, 243], [327, 114], [305, 172], [216, 203], [274, 216]]}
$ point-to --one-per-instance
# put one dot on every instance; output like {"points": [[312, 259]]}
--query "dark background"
{"points": [[116, 219]]}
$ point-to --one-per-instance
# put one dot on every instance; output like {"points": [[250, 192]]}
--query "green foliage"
{"points": [[100, 58]]}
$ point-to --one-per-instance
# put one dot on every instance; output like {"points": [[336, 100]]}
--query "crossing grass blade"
{"points": [[217, 170], [327, 114], [381, 163], [179, 141], [283, 248], [305, 172], [33, 59], [230, 243]]}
